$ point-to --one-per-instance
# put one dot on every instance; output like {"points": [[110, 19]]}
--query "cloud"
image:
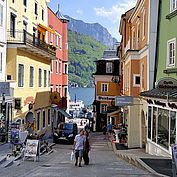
{"points": [[80, 12], [114, 13]]}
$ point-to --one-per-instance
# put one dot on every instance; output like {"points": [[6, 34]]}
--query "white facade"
{"points": [[3, 9]]}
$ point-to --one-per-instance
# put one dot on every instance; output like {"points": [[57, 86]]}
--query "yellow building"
{"points": [[28, 63], [106, 89]]}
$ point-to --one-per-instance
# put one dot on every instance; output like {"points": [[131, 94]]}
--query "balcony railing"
{"points": [[25, 38]]}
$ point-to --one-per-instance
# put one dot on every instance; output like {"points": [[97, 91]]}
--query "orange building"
{"points": [[106, 89], [137, 54]]}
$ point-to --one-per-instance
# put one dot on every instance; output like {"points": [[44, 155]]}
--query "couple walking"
{"points": [[81, 147]]}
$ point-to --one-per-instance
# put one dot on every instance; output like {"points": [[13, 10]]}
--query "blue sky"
{"points": [[105, 12]]}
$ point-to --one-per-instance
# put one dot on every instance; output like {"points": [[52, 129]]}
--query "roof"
{"points": [[160, 93], [110, 54], [60, 15]]}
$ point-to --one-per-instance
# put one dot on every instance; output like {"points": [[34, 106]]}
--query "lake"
{"points": [[84, 94]]}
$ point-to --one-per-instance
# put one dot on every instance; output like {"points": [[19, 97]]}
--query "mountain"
{"points": [[83, 51], [94, 30]]}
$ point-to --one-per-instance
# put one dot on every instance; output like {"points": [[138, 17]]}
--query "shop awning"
{"points": [[161, 93], [64, 113]]}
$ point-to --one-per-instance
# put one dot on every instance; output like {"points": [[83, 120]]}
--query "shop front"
{"points": [[161, 117]]}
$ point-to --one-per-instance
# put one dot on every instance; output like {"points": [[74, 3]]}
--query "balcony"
{"points": [[29, 43]]}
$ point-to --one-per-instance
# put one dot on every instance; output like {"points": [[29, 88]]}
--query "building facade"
{"points": [[28, 63], [138, 28], [59, 67], [107, 88], [161, 100]]}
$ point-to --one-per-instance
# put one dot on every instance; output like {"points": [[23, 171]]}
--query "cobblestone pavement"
{"points": [[103, 163]]}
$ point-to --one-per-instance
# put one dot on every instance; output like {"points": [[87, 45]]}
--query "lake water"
{"points": [[84, 94]]}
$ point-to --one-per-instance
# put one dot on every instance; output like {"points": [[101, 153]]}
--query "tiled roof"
{"points": [[160, 93]]}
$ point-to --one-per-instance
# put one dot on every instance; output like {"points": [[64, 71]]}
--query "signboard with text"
{"points": [[123, 101], [167, 83]]}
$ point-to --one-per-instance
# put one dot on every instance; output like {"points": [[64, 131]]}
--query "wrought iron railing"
{"points": [[23, 37]]}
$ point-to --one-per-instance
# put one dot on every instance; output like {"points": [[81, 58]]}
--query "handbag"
{"points": [[72, 156]]}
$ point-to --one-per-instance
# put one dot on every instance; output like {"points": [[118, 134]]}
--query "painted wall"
{"points": [[167, 31], [3, 42]]}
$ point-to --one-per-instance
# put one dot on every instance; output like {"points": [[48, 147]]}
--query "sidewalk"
{"points": [[157, 165]]}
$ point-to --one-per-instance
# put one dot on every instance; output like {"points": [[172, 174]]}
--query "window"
{"points": [[60, 67], [49, 117], [48, 78], [20, 75], [60, 91], [136, 80], [60, 41], [66, 69], [133, 38], [43, 120], [56, 66], [104, 87], [144, 24], [1, 15], [103, 108], [31, 76], [0, 61], [173, 5], [51, 66], [12, 24], [43, 14], [35, 9], [171, 50], [25, 2], [51, 37], [45, 78], [51, 88], [65, 92], [40, 78], [109, 67], [38, 121], [56, 40], [138, 36], [57, 88]]}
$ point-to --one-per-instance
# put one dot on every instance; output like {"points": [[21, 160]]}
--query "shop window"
{"points": [[149, 121], [154, 126], [43, 120], [172, 127], [38, 121], [163, 128], [49, 117]]}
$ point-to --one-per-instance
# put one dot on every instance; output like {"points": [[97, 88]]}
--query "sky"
{"points": [[105, 12]]}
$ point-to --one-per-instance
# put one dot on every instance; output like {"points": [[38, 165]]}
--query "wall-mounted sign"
{"points": [[167, 83], [105, 98], [5, 88], [123, 101]]}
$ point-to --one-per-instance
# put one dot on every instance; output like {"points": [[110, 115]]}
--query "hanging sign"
{"points": [[123, 101]]}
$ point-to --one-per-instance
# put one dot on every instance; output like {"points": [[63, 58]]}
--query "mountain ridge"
{"points": [[95, 30]]}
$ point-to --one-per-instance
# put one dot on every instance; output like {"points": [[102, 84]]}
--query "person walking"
{"points": [[86, 148], [104, 131], [78, 146], [109, 128]]}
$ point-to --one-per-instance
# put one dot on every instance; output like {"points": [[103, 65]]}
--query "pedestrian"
{"points": [[78, 146], [104, 129], [86, 148], [109, 128]]}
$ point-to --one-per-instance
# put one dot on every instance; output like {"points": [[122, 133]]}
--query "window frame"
{"points": [[57, 66], [1, 15], [21, 83], [42, 14], [134, 80], [171, 5], [31, 84], [45, 78], [103, 87], [36, 8], [101, 106], [109, 67], [65, 68], [39, 78], [171, 41], [43, 119], [25, 3]]}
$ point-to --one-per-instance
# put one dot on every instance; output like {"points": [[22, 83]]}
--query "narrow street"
{"points": [[103, 163]]}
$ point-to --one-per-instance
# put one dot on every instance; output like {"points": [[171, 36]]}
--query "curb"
{"points": [[136, 161]]}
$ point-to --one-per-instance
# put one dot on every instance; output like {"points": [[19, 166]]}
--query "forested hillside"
{"points": [[83, 51]]}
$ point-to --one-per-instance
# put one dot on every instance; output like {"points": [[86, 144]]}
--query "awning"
{"points": [[64, 113], [46, 28], [161, 93], [113, 113]]}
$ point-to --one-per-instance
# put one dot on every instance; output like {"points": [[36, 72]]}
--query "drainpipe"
{"points": [[157, 47]]}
